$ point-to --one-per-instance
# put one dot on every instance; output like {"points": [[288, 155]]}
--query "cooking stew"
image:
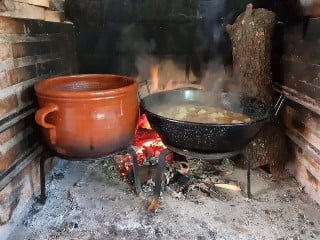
{"points": [[203, 114]]}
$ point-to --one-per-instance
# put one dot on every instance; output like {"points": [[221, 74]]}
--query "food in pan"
{"points": [[203, 114]]}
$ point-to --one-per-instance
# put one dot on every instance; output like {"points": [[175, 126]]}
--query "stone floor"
{"points": [[86, 200]]}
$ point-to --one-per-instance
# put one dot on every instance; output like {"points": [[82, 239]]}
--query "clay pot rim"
{"points": [[42, 89]]}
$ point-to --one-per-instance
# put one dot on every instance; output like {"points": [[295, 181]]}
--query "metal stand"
{"points": [[161, 163], [137, 181], [42, 198], [248, 175], [158, 180], [49, 155]]}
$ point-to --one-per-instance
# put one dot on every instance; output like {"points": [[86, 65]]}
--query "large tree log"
{"points": [[251, 36]]}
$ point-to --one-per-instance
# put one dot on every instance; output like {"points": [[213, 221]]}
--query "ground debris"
{"points": [[102, 207], [153, 207], [196, 177], [211, 191]]}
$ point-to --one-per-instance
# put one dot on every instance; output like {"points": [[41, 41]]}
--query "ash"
{"points": [[91, 200]]}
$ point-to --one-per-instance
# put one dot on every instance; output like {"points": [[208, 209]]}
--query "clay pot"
{"points": [[87, 116]]}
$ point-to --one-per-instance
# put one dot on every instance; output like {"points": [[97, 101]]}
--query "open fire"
{"points": [[146, 141], [148, 146], [184, 178], [183, 175]]}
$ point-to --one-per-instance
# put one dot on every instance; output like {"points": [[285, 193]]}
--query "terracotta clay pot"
{"points": [[87, 116]]}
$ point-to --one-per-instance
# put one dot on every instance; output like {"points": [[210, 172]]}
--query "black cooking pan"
{"points": [[205, 137]]}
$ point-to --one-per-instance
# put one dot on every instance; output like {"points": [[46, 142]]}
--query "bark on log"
{"points": [[251, 37]]}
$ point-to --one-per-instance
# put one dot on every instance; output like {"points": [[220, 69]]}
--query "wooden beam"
{"points": [[294, 95], [303, 123], [24, 10], [54, 16], [306, 166], [41, 3]]}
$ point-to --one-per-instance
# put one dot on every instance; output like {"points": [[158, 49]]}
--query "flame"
{"points": [[147, 144], [155, 80], [154, 77], [146, 140], [143, 122]]}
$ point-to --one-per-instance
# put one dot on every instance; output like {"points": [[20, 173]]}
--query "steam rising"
{"points": [[204, 67]]}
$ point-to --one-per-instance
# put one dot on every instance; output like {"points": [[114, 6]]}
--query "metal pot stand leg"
{"points": [[158, 180], [42, 198], [137, 181], [248, 160], [50, 154]]}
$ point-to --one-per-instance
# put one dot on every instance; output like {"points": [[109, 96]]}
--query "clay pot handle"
{"points": [[40, 117]]}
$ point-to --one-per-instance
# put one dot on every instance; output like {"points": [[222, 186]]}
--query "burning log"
{"points": [[251, 48], [211, 191], [228, 186]]}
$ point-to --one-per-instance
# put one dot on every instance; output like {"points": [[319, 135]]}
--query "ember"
{"points": [[148, 146]]}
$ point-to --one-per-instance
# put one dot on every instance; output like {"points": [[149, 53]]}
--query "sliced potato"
{"points": [[204, 114]]}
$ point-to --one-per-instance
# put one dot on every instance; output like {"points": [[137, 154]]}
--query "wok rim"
{"points": [[266, 118], [206, 124]]}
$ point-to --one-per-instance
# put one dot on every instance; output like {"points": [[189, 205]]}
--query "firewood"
{"points": [[42, 3], [228, 186], [54, 16], [24, 10]]}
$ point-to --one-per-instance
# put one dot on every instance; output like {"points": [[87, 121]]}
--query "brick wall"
{"points": [[47, 10], [30, 50]]}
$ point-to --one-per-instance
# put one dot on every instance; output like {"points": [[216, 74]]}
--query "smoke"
{"points": [[218, 78], [310, 7], [143, 63], [132, 39], [209, 62], [132, 42]]}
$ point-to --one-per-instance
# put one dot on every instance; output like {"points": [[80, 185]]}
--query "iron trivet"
{"points": [[50, 154], [161, 163]]}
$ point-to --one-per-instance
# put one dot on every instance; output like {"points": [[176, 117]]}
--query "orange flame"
{"points": [[143, 122], [156, 85], [154, 77], [146, 140]]}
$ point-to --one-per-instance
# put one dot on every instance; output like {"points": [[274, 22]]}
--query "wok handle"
{"points": [[40, 118], [141, 102], [276, 108], [140, 95]]}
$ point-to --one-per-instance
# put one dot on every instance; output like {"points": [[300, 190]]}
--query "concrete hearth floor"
{"points": [[87, 201]]}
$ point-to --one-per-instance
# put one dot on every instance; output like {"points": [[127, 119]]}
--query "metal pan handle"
{"points": [[141, 102], [144, 86], [276, 108]]}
